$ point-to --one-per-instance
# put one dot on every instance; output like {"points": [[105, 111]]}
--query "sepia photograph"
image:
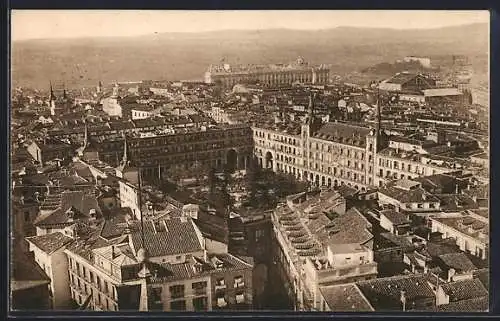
{"points": [[249, 160]]}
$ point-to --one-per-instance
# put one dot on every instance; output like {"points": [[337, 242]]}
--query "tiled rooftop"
{"points": [[396, 218], [472, 305], [343, 133], [345, 298], [167, 237], [50, 243], [170, 272], [79, 202], [457, 261], [415, 286], [416, 195], [465, 290], [467, 225]]}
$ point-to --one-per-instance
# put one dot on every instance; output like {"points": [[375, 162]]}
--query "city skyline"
{"points": [[55, 24]]}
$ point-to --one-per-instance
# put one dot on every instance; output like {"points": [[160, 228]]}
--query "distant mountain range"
{"points": [[172, 56]]}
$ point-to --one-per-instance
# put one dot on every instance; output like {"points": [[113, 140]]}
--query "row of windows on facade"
{"points": [[201, 303], [342, 174], [396, 165], [278, 138], [178, 291], [393, 175], [80, 272], [103, 296], [317, 153]]}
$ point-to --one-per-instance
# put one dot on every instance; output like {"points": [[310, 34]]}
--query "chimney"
{"points": [[403, 300], [451, 274]]}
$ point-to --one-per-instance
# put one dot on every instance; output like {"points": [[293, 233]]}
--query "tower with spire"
{"points": [[52, 100], [376, 141], [124, 169], [65, 96]]}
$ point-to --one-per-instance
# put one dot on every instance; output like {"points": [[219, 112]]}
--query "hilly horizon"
{"points": [[172, 56]]}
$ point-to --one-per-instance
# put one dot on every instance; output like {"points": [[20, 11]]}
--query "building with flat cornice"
{"points": [[275, 74]]}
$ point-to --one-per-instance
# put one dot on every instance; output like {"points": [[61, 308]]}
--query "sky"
{"points": [[41, 24]]}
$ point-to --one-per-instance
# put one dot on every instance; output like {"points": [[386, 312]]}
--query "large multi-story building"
{"points": [[329, 154], [122, 264], [277, 74], [334, 153], [212, 146], [318, 243]]}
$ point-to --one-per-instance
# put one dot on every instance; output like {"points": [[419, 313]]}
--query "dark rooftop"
{"points": [[457, 261], [465, 290], [25, 273], [168, 237], [345, 298]]}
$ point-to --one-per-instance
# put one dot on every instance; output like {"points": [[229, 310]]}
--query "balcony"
{"points": [[239, 285]]}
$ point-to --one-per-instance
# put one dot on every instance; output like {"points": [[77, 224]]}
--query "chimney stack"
{"points": [[451, 274], [403, 300]]}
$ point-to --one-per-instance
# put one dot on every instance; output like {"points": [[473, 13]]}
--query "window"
{"points": [[420, 205], [220, 283], [258, 235], [26, 216], [199, 287], [240, 298], [238, 282], [178, 305], [177, 291], [200, 303], [221, 302], [156, 294]]}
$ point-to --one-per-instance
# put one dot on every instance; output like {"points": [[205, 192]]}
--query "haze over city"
{"points": [[101, 23]]}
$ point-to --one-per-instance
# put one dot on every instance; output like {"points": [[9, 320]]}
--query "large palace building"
{"points": [[276, 74]]}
